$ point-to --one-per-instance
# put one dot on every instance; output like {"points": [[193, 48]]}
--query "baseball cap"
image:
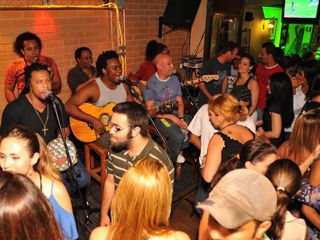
{"points": [[240, 196]]}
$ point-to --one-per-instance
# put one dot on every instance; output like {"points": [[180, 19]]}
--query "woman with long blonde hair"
{"points": [[24, 151], [141, 206]]}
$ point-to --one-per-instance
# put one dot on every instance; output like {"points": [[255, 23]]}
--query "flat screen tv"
{"points": [[300, 11]]}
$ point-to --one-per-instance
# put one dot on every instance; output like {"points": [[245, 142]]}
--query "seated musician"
{"points": [[84, 71], [34, 110], [163, 91], [106, 88]]}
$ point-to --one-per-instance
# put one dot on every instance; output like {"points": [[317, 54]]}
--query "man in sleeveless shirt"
{"points": [[106, 88]]}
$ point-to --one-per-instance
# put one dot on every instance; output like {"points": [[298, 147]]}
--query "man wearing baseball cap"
{"points": [[240, 207]]}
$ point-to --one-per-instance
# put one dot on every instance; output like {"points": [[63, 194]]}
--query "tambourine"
{"points": [[58, 154]]}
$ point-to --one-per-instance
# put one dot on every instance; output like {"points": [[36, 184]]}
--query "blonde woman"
{"points": [[225, 111], [24, 151], [141, 205]]}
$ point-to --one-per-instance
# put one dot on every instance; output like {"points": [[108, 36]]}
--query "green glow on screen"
{"points": [[274, 12]]}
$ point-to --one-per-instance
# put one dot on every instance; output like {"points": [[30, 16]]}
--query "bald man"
{"points": [[163, 91]]}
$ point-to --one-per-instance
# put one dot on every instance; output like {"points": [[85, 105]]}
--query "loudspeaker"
{"points": [[180, 13], [248, 17]]}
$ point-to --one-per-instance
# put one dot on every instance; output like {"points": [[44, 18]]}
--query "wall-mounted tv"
{"points": [[300, 11]]}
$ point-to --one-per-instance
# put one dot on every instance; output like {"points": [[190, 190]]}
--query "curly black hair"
{"points": [[102, 60], [18, 44]]}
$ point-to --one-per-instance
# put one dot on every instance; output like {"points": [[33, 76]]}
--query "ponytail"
{"points": [[279, 218], [286, 177]]}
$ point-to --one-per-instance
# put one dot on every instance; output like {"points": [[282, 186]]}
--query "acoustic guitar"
{"points": [[84, 131], [204, 78]]}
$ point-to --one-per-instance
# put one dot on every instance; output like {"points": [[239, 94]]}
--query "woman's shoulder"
{"points": [[283, 150], [241, 129], [99, 233], [61, 195], [172, 235]]}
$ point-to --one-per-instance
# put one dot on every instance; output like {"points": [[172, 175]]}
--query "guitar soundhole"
{"points": [[104, 118], [90, 125]]}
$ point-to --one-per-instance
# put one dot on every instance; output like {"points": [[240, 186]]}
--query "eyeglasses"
{"points": [[117, 128]]}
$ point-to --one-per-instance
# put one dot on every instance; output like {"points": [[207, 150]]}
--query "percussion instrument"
{"points": [[58, 153]]}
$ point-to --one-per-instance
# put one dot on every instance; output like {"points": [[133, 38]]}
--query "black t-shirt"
{"points": [[213, 66], [21, 112], [76, 77], [267, 123]]}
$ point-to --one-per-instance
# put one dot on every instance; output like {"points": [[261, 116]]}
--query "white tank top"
{"points": [[107, 95]]}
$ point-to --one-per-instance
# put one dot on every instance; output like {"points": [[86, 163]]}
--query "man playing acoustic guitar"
{"points": [[105, 89]]}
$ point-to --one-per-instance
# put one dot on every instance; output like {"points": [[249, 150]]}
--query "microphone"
{"points": [[128, 81], [52, 97]]}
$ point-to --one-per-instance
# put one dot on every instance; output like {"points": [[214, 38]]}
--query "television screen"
{"points": [[300, 11]]}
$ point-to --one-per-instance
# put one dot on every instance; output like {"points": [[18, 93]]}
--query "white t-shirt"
{"points": [[294, 228], [202, 127], [299, 99]]}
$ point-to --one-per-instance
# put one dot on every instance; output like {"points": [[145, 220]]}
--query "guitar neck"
{"points": [[204, 78]]}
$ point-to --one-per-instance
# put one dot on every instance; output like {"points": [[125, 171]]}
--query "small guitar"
{"points": [[204, 78], [84, 131]]}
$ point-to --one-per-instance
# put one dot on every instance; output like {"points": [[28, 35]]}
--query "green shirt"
{"points": [[119, 163]]}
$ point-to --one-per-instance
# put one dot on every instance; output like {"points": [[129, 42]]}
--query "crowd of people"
{"points": [[257, 130]]}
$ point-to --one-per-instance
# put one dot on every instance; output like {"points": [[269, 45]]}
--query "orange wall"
{"points": [[62, 31]]}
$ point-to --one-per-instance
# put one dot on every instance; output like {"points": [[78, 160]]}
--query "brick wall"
{"points": [[62, 31]]}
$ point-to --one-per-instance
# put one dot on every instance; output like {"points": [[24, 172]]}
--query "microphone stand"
{"points": [[86, 205], [187, 91], [137, 97]]}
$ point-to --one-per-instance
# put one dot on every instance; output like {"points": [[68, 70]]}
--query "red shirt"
{"points": [[263, 74], [15, 73], [145, 71]]}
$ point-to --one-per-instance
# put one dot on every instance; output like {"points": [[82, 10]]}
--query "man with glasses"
{"points": [[129, 143], [106, 88]]}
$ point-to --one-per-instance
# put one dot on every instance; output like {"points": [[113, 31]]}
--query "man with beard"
{"points": [[28, 46], [35, 111], [129, 142], [106, 88], [220, 65]]}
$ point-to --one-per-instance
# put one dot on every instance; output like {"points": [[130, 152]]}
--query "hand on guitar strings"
{"points": [[98, 126]]}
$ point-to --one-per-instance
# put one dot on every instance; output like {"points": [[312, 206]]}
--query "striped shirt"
{"points": [[119, 163]]}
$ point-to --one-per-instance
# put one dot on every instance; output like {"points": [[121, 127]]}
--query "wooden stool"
{"points": [[98, 173]]}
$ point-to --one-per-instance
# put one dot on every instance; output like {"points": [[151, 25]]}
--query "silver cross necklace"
{"points": [[44, 124]]}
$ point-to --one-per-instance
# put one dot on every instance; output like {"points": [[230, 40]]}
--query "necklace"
{"points": [[228, 125], [44, 124]]}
